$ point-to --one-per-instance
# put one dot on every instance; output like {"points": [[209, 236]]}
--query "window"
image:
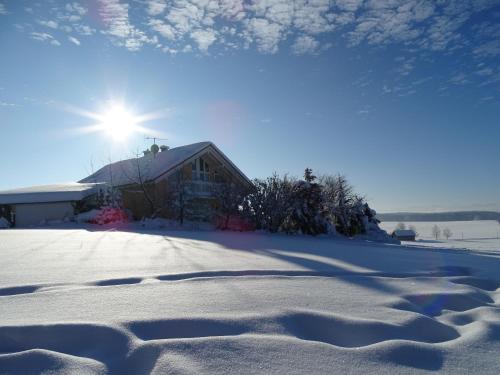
{"points": [[200, 170]]}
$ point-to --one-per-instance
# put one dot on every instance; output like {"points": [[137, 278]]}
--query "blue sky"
{"points": [[401, 96]]}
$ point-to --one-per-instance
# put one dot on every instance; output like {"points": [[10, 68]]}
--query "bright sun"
{"points": [[118, 123]]}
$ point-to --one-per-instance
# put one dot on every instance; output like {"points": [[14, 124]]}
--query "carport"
{"points": [[36, 205]]}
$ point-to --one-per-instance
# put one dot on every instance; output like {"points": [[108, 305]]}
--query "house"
{"points": [[181, 181], [404, 234], [177, 182], [38, 204]]}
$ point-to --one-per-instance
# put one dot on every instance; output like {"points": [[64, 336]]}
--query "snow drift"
{"points": [[108, 302]]}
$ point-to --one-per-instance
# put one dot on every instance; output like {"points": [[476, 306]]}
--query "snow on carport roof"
{"points": [[125, 172], [72, 191]]}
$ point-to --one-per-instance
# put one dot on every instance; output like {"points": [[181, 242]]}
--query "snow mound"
{"points": [[374, 233]]}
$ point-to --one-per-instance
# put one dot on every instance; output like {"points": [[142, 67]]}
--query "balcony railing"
{"points": [[203, 188]]}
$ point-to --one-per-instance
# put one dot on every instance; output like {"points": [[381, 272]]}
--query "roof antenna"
{"points": [[154, 147]]}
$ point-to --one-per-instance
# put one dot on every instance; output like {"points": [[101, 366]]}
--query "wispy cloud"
{"points": [[459, 79], [116, 18], [50, 24], [74, 40], [3, 10], [45, 37], [6, 104]]}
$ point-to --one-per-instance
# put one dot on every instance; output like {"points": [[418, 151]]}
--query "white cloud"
{"points": [[484, 72], [459, 79], [308, 26], [305, 44], [407, 65], [164, 29], [266, 34], [84, 29], [156, 7], [487, 98], [488, 49], [50, 24], [7, 104], [349, 5], [2, 9], [313, 17], [74, 40], [115, 16], [75, 8], [185, 16], [204, 38], [45, 37]]}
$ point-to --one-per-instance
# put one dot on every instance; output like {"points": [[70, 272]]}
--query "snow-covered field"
{"points": [[108, 302], [472, 235]]}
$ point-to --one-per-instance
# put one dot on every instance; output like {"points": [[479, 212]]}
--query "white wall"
{"points": [[34, 213]]}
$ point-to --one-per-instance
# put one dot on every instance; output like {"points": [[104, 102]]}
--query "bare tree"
{"points": [[401, 226], [339, 201], [180, 195], [436, 232], [142, 178], [139, 175], [269, 202], [447, 233]]}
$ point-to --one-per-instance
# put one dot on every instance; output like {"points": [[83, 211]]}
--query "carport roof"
{"points": [[72, 191]]}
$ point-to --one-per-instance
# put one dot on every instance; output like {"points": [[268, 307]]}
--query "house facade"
{"points": [[179, 182]]}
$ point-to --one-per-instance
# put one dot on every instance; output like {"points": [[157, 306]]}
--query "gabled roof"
{"points": [[151, 166], [72, 191]]}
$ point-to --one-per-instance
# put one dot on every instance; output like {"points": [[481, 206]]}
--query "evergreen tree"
{"points": [[306, 215]]}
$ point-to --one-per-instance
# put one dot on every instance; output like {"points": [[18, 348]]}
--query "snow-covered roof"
{"points": [[151, 166], [72, 191], [404, 233]]}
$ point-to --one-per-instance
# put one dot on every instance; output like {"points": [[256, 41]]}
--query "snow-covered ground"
{"points": [[85, 301], [471, 235]]}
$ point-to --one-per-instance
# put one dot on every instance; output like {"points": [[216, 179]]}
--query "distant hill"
{"points": [[439, 216]]}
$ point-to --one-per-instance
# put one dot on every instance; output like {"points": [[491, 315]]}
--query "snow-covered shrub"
{"points": [[306, 213], [310, 206], [87, 217], [109, 196], [269, 203], [228, 211], [4, 223], [108, 215]]}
